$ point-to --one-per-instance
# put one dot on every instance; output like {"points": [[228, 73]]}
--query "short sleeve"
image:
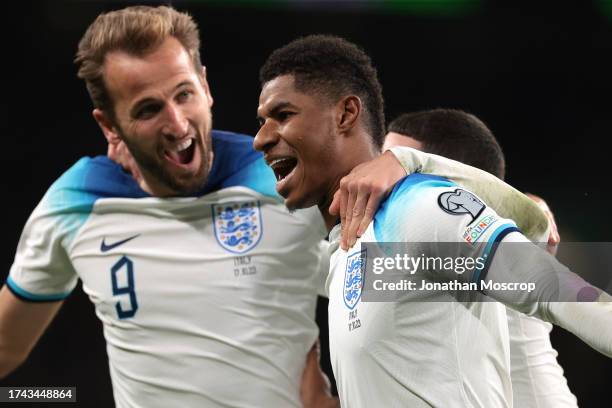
{"points": [[42, 270], [431, 211]]}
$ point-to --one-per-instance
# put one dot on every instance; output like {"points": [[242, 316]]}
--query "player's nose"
{"points": [[265, 138], [176, 124]]}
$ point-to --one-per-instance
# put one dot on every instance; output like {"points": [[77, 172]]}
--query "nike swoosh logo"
{"points": [[105, 248]]}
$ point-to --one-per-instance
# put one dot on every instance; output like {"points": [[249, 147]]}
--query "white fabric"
{"points": [[212, 328], [537, 377], [413, 353]]}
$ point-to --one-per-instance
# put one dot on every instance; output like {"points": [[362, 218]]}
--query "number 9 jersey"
{"points": [[206, 300]]}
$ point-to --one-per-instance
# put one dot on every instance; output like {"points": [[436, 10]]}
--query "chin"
{"points": [[297, 203], [291, 203], [188, 185], [291, 207]]}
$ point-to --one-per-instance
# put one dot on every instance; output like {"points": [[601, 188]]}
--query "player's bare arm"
{"points": [[315, 390], [21, 325]]}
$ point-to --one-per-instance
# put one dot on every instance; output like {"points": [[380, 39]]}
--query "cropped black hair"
{"points": [[455, 134], [332, 67]]}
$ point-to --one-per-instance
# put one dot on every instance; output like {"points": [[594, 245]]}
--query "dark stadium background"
{"points": [[538, 72]]}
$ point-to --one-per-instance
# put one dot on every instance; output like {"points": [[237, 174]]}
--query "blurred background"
{"points": [[537, 72]]}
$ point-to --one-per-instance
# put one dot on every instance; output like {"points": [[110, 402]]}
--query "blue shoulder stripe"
{"points": [[393, 208], [231, 152], [90, 179], [74, 194], [236, 163], [257, 176]]}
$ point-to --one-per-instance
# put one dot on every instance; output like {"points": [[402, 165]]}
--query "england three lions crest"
{"points": [[353, 279], [238, 226]]}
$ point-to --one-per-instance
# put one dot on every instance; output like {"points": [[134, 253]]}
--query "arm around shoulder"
{"points": [[503, 198]]}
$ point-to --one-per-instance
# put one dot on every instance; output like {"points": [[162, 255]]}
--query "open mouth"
{"points": [[283, 167], [181, 154]]}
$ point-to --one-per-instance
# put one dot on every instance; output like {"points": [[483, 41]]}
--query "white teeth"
{"points": [[275, 162], [185, 145], [274, 165]]}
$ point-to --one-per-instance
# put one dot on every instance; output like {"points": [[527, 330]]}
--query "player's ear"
{"points": [[204, 82], [348, 111], [107, 126]]}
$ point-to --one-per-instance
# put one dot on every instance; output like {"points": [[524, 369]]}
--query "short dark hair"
{"points": [[455, 134], [332, 67]]}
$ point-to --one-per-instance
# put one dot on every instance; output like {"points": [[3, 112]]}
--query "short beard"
{"points": [[152, 167]]}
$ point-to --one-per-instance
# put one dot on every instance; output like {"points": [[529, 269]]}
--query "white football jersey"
{"points": [[414, 353], [206, 301], [537, 377]]}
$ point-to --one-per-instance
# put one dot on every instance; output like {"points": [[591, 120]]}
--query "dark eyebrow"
{"points": [[280, 106], [140, 103], [276, 108]]}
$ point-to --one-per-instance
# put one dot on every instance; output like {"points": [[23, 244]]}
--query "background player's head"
{"points": [[143, 72], [451, 133], [321, 113]]}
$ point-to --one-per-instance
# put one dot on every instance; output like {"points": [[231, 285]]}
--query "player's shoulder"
{"points": [[415, 190], [431, 208], [418, 183], [420, 204], [412, 198], [236, 163], [88, 180]]}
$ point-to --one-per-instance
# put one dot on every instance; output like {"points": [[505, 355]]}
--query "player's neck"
{"points": [[330, 220], [355, 159]]}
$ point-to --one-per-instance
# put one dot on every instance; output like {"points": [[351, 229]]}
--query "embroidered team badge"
{"points": [[353, 279], [238, 226], [461, 202]]}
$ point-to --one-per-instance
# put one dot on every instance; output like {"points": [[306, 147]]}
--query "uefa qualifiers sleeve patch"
{"points": [[477, 229], [460, 202]]}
